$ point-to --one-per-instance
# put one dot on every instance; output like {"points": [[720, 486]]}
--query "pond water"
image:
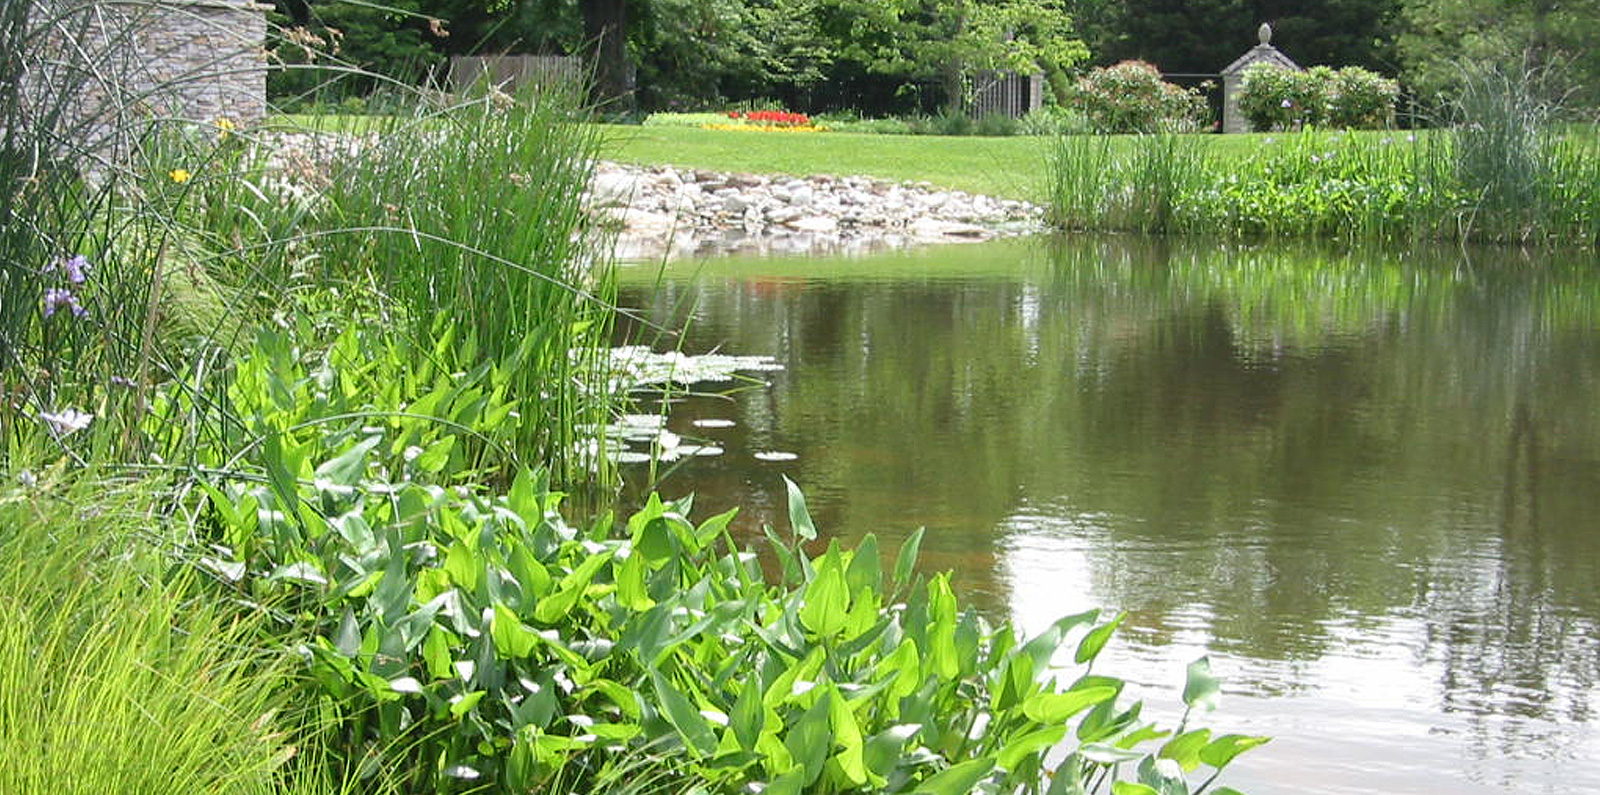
{"points": [[1367, 484]]}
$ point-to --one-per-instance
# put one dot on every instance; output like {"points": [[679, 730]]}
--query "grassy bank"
{"points": [[1451, 185]]}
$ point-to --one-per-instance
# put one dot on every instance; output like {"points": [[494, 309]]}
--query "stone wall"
{"points": [[103, 69]]}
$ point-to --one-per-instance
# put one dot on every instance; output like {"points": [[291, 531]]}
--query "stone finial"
{"points": [[1264, 33]]}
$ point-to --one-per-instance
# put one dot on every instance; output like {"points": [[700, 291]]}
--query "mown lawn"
{"points": [[1012, 167]]}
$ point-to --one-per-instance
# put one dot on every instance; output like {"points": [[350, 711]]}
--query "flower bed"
{"points": [[767, 121]]}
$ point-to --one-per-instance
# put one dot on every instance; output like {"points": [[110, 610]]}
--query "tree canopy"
{"points": [[898, 56]]}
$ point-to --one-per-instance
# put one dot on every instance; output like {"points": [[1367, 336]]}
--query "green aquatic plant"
{"points": [[476, 638]]}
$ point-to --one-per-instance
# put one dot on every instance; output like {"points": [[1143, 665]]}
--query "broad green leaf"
{"points": [[799, 517], [847, 737], [1164, 775], [906, 562], [435, 456], [1057, 708], [713, 527], [1219, 752], [959, 779], [1185, 748], [1019, 748], [1142, 734], [1132, 788], [436, 654], [748, 718], [792, 782], [1202, 691], [942, 654], [558, 604], [881, 752], [865, 569], [827, 602], [1103, 754], [1043, 647], [464, 567], [1097, 638], [905, 666], [808, 739], [463, 704], [512, 639], [630, 577], [696, 731], [346, 468]]}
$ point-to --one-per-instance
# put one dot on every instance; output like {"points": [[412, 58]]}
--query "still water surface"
{"points": [[1366, 484]]}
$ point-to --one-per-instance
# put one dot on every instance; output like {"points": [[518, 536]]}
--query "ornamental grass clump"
{"points": [[113, 677]]}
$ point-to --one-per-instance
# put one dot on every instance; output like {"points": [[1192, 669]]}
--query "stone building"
{"points": [[1233, 78], [106, 69]]}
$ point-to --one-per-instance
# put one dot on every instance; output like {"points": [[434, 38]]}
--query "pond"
{"points": [[1367, 484]]}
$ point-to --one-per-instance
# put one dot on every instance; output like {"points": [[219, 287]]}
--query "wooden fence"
{"points": [[510, 72]]}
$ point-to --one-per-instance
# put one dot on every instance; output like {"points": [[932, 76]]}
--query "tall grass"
{"points": [[113, 679], [472, 215], [1500, 174], [456, 225]]}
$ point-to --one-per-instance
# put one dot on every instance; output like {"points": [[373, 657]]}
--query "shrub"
{"points": [[997, 124], [1275, 98], [1131, 97], [1359, 99], [1053, 120]]}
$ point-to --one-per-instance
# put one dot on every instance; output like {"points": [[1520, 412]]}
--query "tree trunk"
{"points": [[605, 26]]}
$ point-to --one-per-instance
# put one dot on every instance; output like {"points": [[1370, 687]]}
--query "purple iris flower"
{"points": [[57, 298]]}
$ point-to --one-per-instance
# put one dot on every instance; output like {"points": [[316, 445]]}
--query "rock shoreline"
{"points": [[666, 211], [669, 211]]}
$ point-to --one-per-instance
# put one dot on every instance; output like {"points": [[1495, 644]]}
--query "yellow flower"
{"points": [[225, 127], [180, 175]]}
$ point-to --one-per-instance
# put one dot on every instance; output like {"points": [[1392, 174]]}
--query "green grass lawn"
{"points": [[1013, 167], [1010, 167]]}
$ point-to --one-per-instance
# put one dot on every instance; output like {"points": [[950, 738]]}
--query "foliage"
{"points": [[500, 276], [921, 40], [112, 679], [470, 638], [1132, 97], [1203, 36], [1275, 98], [335, 49], [1442, 41], [1348, 186]]}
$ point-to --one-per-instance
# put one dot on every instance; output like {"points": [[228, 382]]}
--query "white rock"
{"points": [[814, 223], [612, 189]]}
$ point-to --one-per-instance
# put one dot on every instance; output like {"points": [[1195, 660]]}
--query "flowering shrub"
{"points": [[1359, 99], [1131, 97], [1274, 98]]}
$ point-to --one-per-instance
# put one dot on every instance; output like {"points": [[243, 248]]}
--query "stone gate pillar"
{"points": [[1233, 78]]}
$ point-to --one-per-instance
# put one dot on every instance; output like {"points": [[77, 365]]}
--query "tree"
{"points": [[1203, 36], [1553, 39], [359, 45], [952, 42]]}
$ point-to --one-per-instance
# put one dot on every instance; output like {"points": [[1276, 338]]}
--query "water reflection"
{"points": [[1366, 482]]}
